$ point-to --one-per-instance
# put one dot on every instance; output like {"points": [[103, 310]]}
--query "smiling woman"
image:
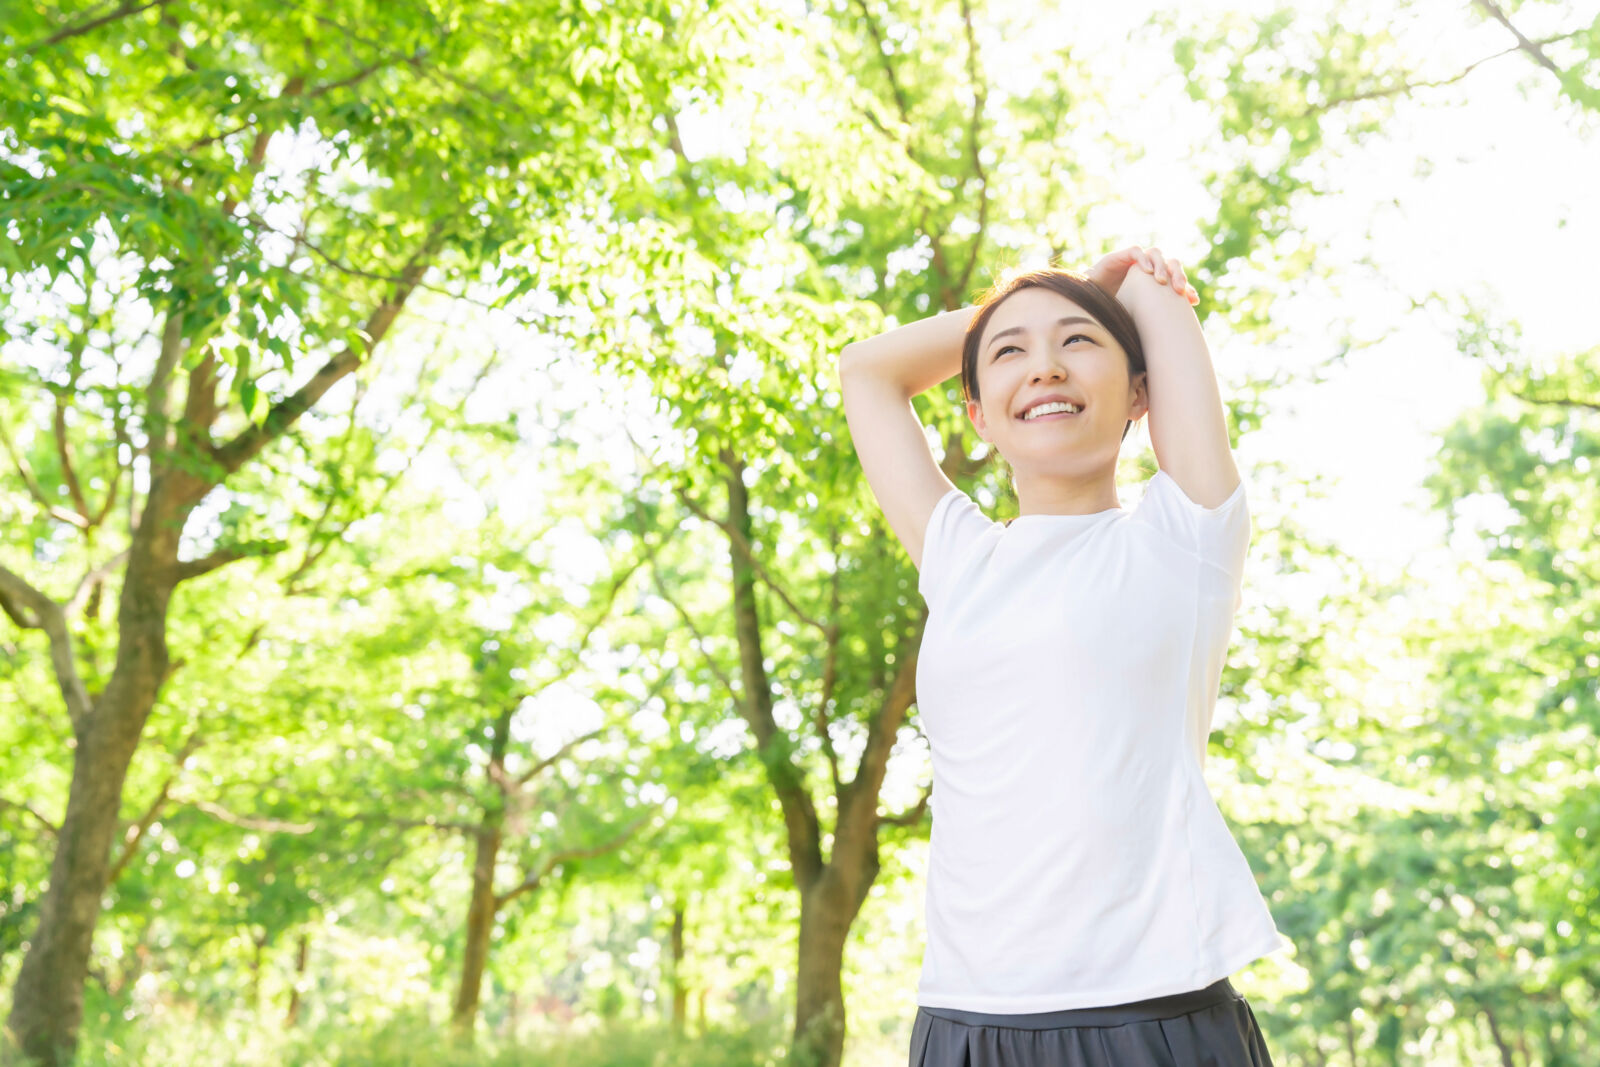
{"points": [[1031, 335], [1086, 902]]}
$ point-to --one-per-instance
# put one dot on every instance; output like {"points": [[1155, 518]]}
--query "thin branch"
{"points": [[124, 10], [136, 832], [534, 772], [1557, 401], [1530, 47], [1406, 87], [91, 581], [830, 674], [428, 823], [912, 815], [343, 83], [900, 100], [32, 610], [701, 644], [49, 827], [555, 860], [119, 432], [287, 411], [55, 511], [250, 822], [194, 568], [744, 548], [58, 422]]}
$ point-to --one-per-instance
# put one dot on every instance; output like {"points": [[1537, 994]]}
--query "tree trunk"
{"points": [[484, 905], [480, 926], [680, 992], [827, 909], [47, 1007], [1506, 1059], [291, 1018], [832, 890]]}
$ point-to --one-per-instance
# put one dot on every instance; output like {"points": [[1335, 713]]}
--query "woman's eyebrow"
{"points": [[1069, 320]]}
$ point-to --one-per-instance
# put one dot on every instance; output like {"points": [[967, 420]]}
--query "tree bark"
{"points": [[1506, 1059], [302, 956], [480, 927], [483, 905], [680, 992], [819, 1031], [47, 1008]]}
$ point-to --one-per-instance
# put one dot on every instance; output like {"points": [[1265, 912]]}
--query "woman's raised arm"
{"points": [[1188, 426], [878, 377]]}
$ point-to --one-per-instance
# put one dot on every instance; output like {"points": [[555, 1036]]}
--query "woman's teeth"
{"points": [[1050, 409]]}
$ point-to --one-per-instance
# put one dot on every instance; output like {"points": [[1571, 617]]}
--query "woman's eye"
{"points": [[1068, 341]]}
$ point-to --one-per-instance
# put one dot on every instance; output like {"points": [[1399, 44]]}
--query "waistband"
{"points": [[1138, 1011]]}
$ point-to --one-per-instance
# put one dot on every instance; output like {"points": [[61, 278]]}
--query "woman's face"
{"points": [[1039, 343]]}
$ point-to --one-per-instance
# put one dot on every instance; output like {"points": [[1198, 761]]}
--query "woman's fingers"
{"points": [[1168, 270], [1158, 265], [1176, 276]]}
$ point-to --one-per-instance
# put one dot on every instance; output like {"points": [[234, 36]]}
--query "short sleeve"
{"points": [[1219, 536], [953, 528]]}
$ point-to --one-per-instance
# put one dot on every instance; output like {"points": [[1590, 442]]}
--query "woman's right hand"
{"points": [[1112, 269]]}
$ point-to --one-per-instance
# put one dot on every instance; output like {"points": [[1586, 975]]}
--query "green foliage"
{"points": [[1408, 764]]}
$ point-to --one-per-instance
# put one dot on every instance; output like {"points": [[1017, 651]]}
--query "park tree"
{"points": [[216, 215], [813, 639]]}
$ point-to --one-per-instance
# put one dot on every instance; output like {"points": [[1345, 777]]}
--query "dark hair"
{"points": [[1076, 287]]}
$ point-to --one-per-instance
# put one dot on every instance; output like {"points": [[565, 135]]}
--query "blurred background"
{"points": [[442, 619]]}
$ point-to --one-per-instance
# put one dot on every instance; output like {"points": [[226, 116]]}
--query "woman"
{"points": [[1085, 901]]}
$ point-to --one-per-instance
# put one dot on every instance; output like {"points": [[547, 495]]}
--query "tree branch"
{"points": [[555, 860], [830, 672], [250, 822], [194, 568], [356, 78], [157, 417], [58, 422], [534, 772], [123, 10], [1556, 401], [912, 815], [1530, 47], [49, 827], [743, 547], [91, 581], [286, 412], [55, 511], [429, 823], [136, 832], [32, 610]]}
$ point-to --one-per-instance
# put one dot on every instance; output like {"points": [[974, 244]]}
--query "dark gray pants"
{"points": [[1210, 1027]]}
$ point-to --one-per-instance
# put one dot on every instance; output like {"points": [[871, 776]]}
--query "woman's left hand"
{"points": [[1165, 270]]}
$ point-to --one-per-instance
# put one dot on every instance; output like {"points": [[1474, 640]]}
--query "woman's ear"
{"points": [[1139, 399], [975, 414]]}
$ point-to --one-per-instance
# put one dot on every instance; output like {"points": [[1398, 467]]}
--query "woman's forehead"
{"points": [[1035, 309]]}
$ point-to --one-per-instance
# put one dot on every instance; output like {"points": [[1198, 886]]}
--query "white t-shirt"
{"points": [[1066, 680]]}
